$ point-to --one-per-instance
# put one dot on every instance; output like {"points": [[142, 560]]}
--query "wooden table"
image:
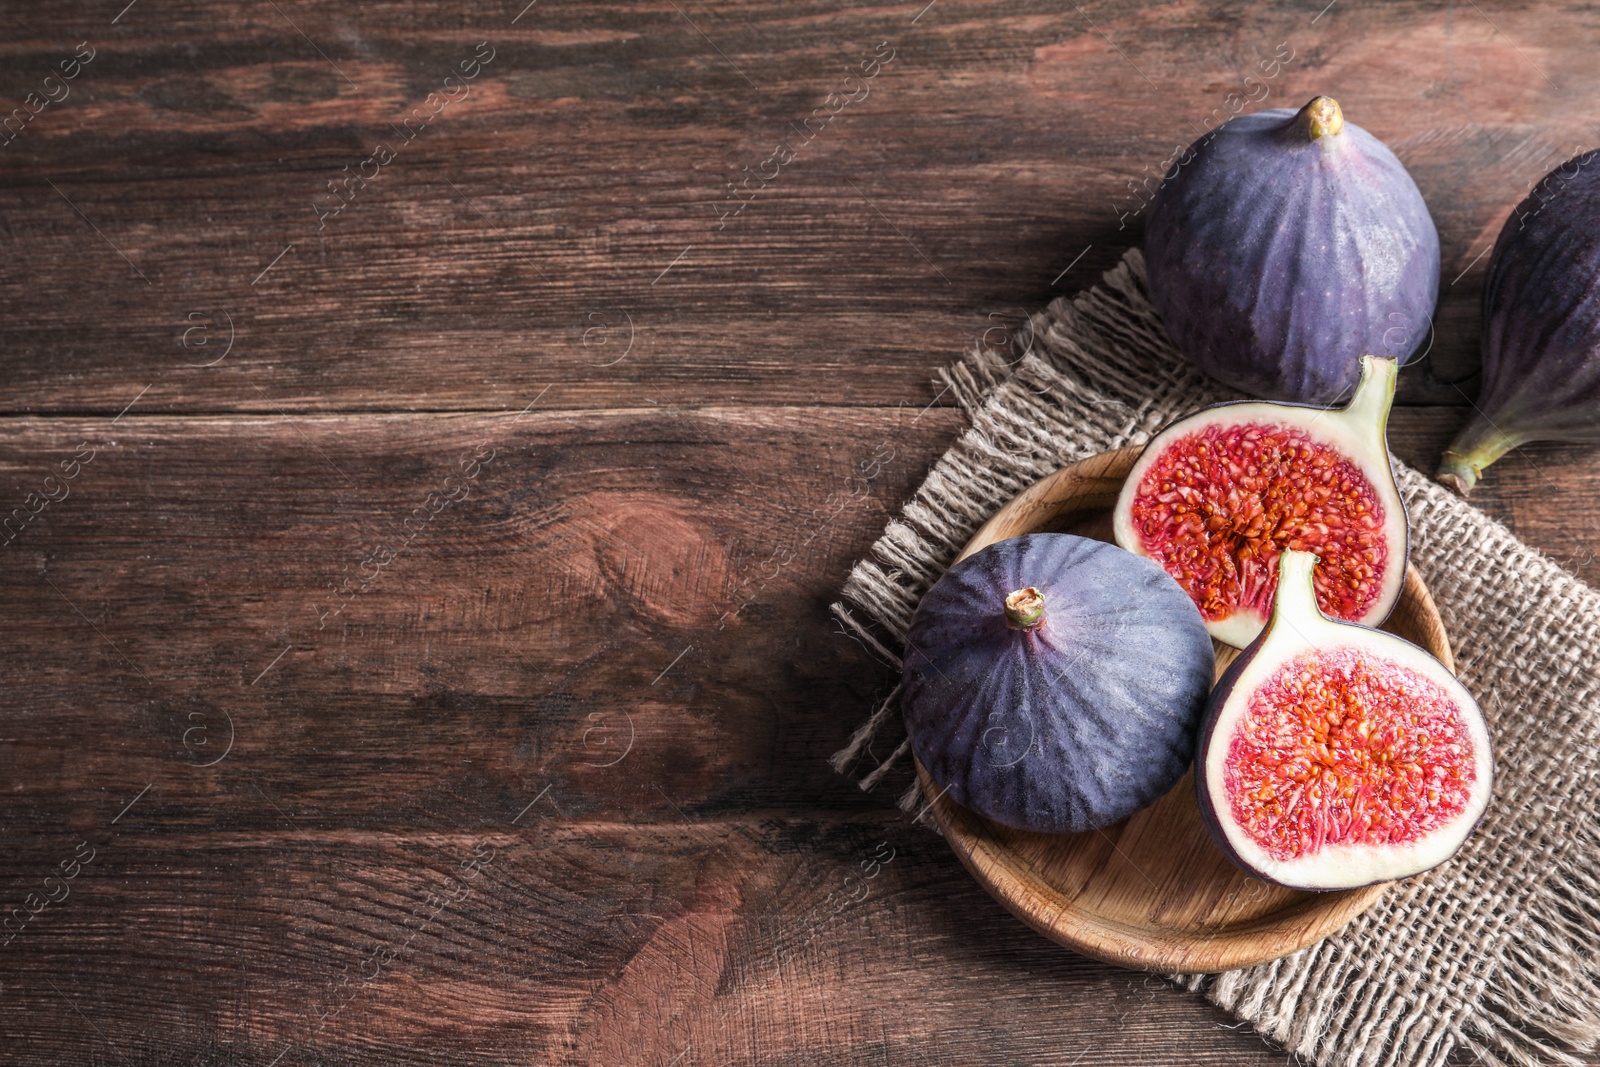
{"points": [[433, 474]]}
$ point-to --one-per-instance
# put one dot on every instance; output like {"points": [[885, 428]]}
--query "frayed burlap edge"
{"points": [[1495, 954]]}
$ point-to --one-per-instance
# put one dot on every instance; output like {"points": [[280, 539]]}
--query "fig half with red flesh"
{"points": [[1216, 497], [1334, 756]]}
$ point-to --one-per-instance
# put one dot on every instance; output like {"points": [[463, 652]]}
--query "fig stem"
{"points": [[1296, 595], [1025, 609], [1321, 117], [1475, 447], [1374, 395]]}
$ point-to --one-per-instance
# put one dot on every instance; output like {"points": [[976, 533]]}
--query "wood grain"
{"points": [[1000, 159], [721, 421]]}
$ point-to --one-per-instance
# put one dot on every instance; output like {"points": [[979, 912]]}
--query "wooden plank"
{"points": [[312, 582], [582, 182], [754, 939]]}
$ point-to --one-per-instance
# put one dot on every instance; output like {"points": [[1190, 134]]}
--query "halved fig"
{"points": [[1216, 497], [1334, 756]]}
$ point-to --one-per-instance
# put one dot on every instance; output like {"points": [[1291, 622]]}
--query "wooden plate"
{"points": [[1152, 892]]}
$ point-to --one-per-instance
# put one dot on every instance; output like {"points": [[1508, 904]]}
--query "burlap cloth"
{"points": [[1495, 955]]}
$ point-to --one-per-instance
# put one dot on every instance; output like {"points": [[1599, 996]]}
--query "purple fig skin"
{"points": [[1208, 803], [1285, 247], [1541, 314], [1071, 723]]}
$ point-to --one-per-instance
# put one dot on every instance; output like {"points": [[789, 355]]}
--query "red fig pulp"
{"points": [[1216, 498], [1335, 756]]}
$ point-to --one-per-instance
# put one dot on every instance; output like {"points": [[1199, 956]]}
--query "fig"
{"points": [[1284, 247], [1055, 683], [1216, 497], [1334, 755], [1541, 314]]}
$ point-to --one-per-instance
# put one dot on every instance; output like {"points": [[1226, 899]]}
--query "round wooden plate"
{"points": [[1152, 892]]}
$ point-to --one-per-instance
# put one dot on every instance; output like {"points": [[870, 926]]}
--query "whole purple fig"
{"points": [[1286, 246], [1054, 683], [1541, 315]]}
